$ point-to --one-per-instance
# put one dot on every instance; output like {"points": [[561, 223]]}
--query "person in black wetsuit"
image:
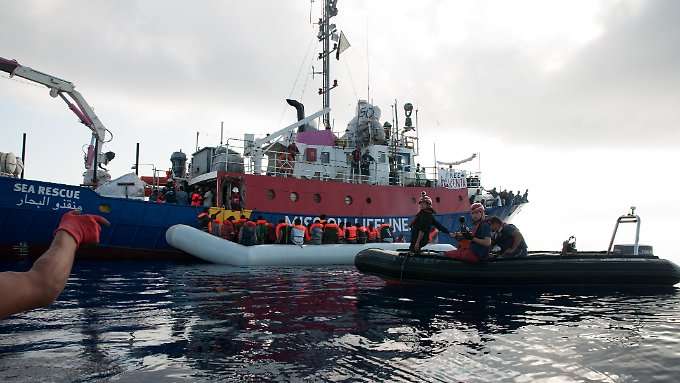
{"points": [[508, 238], [423, 223]]}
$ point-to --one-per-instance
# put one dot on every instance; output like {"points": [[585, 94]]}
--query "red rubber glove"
{"points": [[84, 228]]}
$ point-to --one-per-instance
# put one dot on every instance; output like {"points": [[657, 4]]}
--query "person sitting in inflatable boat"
{"points": [[473, 245]]}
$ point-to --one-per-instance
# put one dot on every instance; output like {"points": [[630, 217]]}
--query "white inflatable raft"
{"points": [[217, 250]]}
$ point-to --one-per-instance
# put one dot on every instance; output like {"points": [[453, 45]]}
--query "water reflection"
{"points": [[159, 322]]}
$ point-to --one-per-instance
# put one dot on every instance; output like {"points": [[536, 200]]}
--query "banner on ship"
{"points": [[452, 179]]}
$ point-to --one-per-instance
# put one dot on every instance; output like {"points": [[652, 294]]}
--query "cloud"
{"points": [[580, 73], [621, 88]]}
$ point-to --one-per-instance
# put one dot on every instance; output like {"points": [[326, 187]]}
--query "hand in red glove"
{"points": [[84, 228]]}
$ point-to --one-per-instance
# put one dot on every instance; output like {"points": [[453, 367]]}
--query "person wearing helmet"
{"points": [[473, 244], [423, 223]]}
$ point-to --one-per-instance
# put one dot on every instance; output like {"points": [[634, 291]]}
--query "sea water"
{"points": [[169, 322]]}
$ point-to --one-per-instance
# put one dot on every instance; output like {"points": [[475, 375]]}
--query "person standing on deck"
{"points": [[182, 196]]}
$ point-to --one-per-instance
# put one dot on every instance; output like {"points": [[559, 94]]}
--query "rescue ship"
{"points": [[365, 174]]}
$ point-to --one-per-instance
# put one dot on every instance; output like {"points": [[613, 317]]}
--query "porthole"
{"points": [[271, 194], [316, 197], [294, 196], [437, 199], [368, 200], [348, 200]]}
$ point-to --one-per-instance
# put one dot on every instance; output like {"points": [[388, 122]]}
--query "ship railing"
{"points": [[280, 164]]}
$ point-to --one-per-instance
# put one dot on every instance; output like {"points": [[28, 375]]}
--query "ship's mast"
{"points": [[326, 31]]}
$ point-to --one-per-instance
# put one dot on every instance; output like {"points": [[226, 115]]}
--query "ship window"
{"points": [[413, 199], [381, 157], [368, 200], [310, 154], [325, 157], [316, 197], [348, 200], [294, 196], [437, 199], [271, 194]]}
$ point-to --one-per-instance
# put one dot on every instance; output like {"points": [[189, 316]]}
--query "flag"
{"points": [[343, 44]]}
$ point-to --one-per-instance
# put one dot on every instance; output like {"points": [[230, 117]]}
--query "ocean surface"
{"points": [[169, 322]]}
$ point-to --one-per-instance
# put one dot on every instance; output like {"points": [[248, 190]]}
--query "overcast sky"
{"points": [[576, 100]]}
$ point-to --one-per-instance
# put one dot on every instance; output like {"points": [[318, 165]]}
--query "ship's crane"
{"points": [[256, 147], [77, 104]]}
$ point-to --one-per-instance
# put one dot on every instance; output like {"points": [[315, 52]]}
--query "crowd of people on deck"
{"points": [[248, 231], [502, 198], [195, 196]]}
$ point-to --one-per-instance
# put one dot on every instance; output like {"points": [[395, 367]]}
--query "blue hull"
{"points": [[31, 210]]}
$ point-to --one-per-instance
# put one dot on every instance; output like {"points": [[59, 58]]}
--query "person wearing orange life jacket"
{"points": [[271, 234], [228, 229], [247, 235], [385, 231], [433, 236], [203, 219], [316, 232], [239, 223], [196, 198], [261, 231], [351, 233], [282, 232], [331, 233], [372, 233], [299, 233], [362, 234], [341, 232], [215, 225]]}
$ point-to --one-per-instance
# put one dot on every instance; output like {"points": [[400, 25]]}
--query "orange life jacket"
{"points": [[351, 232], [372, 235]]}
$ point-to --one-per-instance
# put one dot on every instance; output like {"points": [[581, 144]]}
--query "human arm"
{"points": [[439, 226], [42, 284]]}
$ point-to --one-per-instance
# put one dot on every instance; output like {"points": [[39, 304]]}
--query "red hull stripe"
{"points": [[273, 194]]}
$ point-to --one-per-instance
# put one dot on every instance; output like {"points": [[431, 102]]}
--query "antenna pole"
{"points": [[368, 69], [326, 30], [23, 155]]}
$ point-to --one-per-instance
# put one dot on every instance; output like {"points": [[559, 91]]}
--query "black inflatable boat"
{"points": [[536, 269], [621, 266]]}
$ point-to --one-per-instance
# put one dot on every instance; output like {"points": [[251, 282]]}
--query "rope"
{"points": [[297, 77], [403, 263], [351, 80]]}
